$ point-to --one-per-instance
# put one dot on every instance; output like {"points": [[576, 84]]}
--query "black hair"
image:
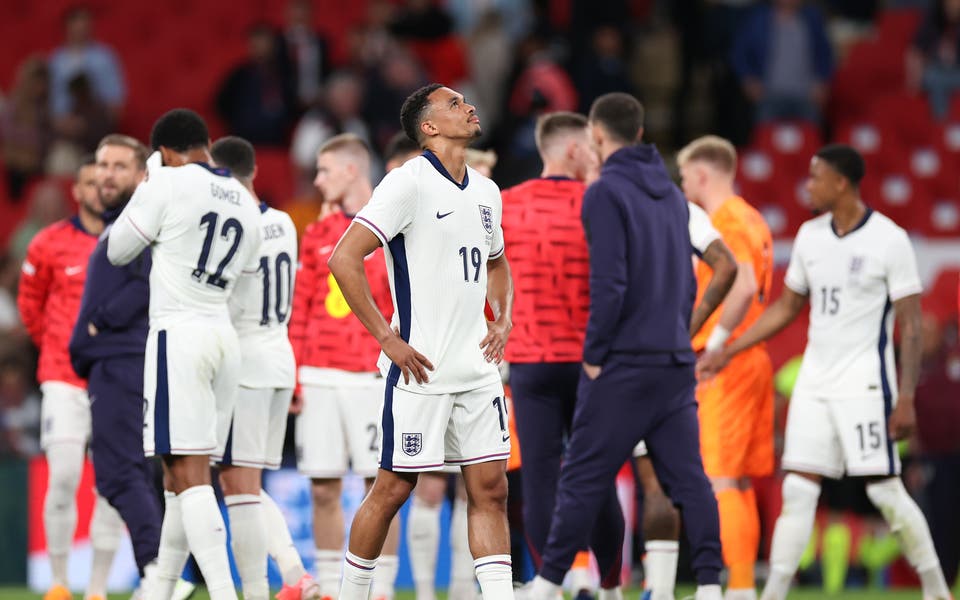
{"points": [[411, 113], [620, 114], [87, 160], [845, 160], [236, 154], [180, 130], [399, 145]]}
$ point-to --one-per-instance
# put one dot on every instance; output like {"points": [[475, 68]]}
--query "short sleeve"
{"points": [[392, 206], [497, 245], [796, 277], [702, 232], [903, 279]]}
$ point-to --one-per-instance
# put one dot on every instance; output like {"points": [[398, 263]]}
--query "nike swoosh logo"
{"points": [[506, 437], [439, 216], [71, 271], [325, 249]]}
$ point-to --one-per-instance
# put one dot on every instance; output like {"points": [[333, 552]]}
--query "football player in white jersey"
{"points": [[203, 228], [440, 223], [857, 269], [260, 307]]}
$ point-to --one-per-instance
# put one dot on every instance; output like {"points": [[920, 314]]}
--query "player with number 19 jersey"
{"points": [[438, 235], [203, 227]]}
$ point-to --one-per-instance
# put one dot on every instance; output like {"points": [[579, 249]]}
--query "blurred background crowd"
{"points": [[776, 77]]}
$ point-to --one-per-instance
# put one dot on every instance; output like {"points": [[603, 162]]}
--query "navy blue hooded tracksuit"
{"points": [[116, 302], [642, 292]]}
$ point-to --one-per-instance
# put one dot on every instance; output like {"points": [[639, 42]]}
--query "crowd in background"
{"points": [[730, 65]]}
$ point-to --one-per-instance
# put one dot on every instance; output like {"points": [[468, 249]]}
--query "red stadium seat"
{"points": [[941, 298], [790, 143], [908, 116], [897, 196], [275, 179]]}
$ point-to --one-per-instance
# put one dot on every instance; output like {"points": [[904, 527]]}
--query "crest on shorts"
{"points": [[486, 218], [412, 443]]}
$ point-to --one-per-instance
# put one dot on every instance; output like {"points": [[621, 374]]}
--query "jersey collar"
{"points": [[76, 222], [427, 154], [263, 207], [221, 171], [863, 221], [557, 178]]}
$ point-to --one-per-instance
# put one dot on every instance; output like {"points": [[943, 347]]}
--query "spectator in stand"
{"points": [[19, 408], [81, 53], [784, 61], [25, 129], [490, 56], [933, 60], [257, 99], [47, 205], [421, 20], [938, 412], [603, 69], [339, 112], [388, 85], [308, 52], [11, 327], [80, 130]]}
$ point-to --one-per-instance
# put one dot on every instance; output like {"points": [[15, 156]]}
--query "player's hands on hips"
{"points": [[592, 371], [409, 360], [495, 340], [903, 419], [710, 363]]}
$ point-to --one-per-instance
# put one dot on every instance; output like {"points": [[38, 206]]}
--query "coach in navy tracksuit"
{"points": [[107, 348], [638, 380]]}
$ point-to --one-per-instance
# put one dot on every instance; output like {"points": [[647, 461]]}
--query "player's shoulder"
{"points": [[881, 223], [819, 225], [278, 216], [54, 233], [482, 182]]}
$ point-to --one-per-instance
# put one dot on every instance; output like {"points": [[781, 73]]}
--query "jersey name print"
{"points": [[260, 306]]}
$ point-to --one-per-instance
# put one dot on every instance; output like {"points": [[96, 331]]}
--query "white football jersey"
{"points": [[260, 306], [851, 282], [438, 237], [203, 227], [702, 231]]}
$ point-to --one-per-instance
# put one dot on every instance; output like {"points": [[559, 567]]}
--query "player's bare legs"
{"points": [[389, 562], [241, 493], [661, 530], [489, 533], [193, 524], [369, 530]]}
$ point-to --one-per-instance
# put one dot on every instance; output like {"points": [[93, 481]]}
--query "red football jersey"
{"points": [[548, 256], [323, 330], [51, 286]]}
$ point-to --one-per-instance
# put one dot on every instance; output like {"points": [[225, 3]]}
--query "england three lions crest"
{"points": [[486, 218], [412, 443]]}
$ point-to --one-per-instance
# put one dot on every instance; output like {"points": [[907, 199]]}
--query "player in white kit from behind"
{"points": [[203, 228], [857, 269], [260, 309]]}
